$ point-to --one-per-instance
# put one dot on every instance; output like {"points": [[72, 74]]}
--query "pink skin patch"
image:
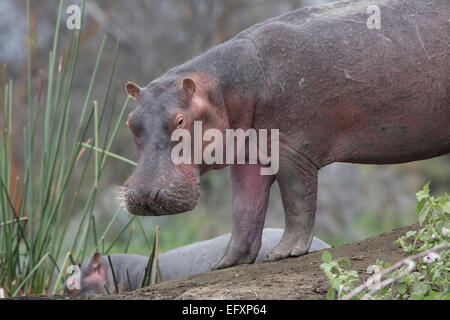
{"points": [[97, 276]]}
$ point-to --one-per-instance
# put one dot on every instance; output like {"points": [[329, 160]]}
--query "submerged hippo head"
{"points": [[158, 186], [95, 277]]}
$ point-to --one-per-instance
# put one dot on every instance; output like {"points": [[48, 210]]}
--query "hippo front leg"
{"points": [[250, 200], [298, 186]]}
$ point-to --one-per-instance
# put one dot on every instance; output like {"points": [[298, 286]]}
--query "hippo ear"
{"points": [[97, 274], [96, 261], [133, 89], [188, 88], [97, 269]]}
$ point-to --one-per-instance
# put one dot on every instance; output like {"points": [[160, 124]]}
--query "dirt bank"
{"points": [[292, 278]]}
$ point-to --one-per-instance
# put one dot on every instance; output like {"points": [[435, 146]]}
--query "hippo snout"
{"points": [[158, 201], [171, 192], [133, 198], [140, 204]]}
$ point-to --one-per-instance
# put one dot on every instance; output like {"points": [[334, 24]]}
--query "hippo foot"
{"points": [[233, 258], [237, 253], [285, 249]]}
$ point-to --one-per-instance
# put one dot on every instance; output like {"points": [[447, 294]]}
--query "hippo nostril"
{"points": [[154, 195], [131, 196]]}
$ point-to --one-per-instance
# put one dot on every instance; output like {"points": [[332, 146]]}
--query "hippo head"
{"points": [[95, 277], [158, 186]]}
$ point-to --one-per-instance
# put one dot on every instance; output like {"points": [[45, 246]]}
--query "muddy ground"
{"points": [[292, 278]]}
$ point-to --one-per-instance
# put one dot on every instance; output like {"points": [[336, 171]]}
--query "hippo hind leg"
{"points": [[298, 186]]}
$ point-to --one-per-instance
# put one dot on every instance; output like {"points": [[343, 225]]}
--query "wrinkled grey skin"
{"points": [[181, 262]]}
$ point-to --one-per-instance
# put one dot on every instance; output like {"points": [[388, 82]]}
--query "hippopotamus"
{"points": [[184, 261], [336, 90]]}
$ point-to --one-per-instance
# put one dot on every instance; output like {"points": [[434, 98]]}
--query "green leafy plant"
{"points": [[341, 281], [424, 274]]}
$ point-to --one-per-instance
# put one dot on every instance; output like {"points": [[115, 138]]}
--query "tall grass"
{"points": [[35, 246]]}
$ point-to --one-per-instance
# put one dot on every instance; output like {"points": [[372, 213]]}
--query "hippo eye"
{"points": [[180, 122], [134, 125]]}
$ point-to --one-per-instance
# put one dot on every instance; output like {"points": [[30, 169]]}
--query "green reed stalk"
{"points": [[57, 183]]}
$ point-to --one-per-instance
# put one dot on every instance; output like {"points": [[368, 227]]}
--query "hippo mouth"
{"points": [[161, 209], [180, 196], [145, 210]]}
